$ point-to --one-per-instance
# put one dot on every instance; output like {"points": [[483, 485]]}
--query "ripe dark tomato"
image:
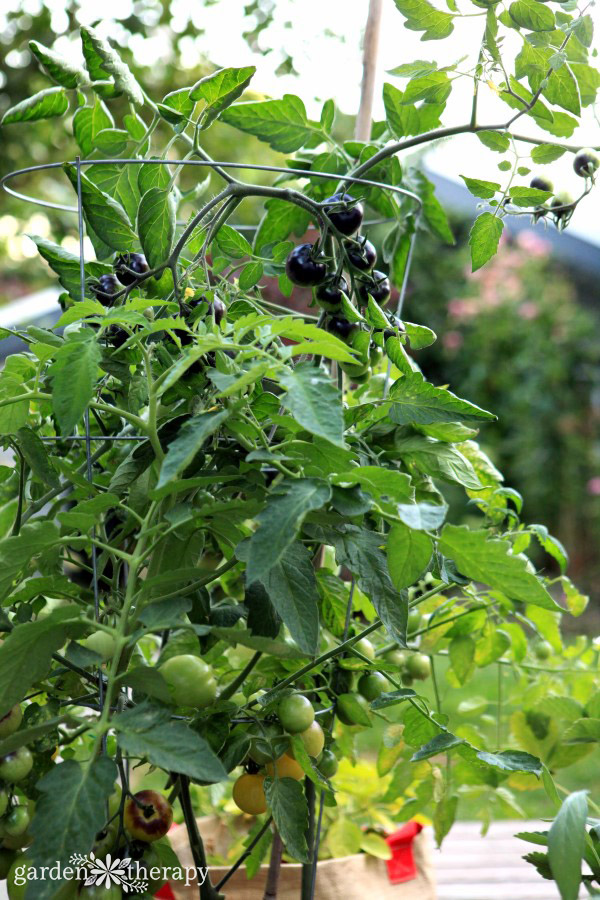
{"points": [[115, 336], [342, 327], [147, 816], [349, 219], [540, 183], [418, 666], [129, 267], [379, 289], [362, 257], [105, 288], [328, 764], [563, 199], [296, 713], [586, 162], [329, 293], [303, 269], [217, 309], [372, 685]]}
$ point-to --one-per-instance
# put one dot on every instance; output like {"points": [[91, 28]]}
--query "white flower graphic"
{"points": [[108, 872]]}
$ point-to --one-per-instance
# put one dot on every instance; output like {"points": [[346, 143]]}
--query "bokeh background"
{"points": [[519, 337]]}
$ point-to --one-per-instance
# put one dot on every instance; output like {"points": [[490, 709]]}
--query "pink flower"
{"points": [[452, 340], [593, 486], [529, 310], [533, 243]]}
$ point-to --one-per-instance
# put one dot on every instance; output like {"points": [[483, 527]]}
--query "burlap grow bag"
{"points": [[349, 878]]}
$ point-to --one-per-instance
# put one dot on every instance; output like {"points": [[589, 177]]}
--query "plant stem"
{"points": [[245, 854], [274, 867], [307, 868], [231, 688], [206, 889]]}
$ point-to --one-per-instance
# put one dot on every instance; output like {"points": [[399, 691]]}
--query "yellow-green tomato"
{"points": [[11, 721], [365, 647], [16, 766], [372, 685], [190, 681], [296, 713], [396, 658], [418, 666], [313, 739], [100, 642]]}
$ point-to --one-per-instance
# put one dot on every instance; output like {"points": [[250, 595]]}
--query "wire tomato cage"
{"points": [[86, 438]]}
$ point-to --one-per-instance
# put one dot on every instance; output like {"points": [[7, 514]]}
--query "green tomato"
{"points": [[190, 681], [16, 875], [543, 650], [407, 680], [396, 658], [17, 820], [352, 709], [365, 647], [418, 666], [16, 766], [372, 685], [414, 620], [7, 858], [11, 721], [296, 713], [328, 764], [102, 643], [3, 801]]}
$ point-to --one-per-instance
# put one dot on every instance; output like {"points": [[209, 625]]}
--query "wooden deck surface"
{"points": [[472, 867]]}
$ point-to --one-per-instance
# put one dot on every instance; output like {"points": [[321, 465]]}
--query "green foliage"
{"points": [[279, 485]]}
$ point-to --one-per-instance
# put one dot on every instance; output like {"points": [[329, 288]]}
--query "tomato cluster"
{"points": [[272, 752], [306, 266], [562, 205]]}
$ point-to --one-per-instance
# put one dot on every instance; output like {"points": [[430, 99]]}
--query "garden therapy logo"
{"points": [[110, 872], [131, 876]]}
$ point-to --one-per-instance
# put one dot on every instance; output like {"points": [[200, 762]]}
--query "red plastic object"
{"points": [[402, 867]]}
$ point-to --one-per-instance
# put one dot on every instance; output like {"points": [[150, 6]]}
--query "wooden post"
{"points": [[362, 131]]}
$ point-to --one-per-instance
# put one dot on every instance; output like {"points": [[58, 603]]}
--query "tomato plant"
{"points": [[225, 547]]}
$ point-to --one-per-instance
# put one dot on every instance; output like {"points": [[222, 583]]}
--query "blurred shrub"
{"points": [[518, 338]]}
